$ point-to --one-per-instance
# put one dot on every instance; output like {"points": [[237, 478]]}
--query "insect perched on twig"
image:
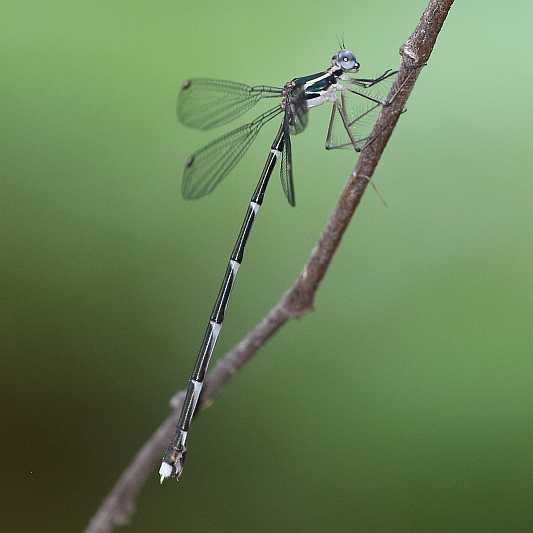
{"points": [[204, 104]]}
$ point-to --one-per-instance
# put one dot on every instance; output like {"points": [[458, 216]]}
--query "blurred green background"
{"points": [[403, 404]]}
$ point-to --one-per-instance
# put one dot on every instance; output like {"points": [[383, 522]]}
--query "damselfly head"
{"points": [[345, 60]]}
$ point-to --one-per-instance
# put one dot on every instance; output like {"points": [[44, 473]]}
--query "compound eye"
{"points": [[346, 60]]}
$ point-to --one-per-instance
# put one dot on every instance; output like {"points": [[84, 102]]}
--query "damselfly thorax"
{"points": [[312, 91]]}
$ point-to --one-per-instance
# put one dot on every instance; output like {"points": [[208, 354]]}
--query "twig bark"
{"points": [[298, 300]]}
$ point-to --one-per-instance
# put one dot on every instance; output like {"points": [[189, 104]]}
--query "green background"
{"points": [[403, 404]]}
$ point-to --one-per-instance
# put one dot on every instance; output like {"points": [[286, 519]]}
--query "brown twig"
{"points": [[298, 300]]}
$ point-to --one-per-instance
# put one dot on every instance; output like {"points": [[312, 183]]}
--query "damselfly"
{"points": [[204, 104]]}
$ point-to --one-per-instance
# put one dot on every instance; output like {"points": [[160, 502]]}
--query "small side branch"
{"points": [[298, 300]]}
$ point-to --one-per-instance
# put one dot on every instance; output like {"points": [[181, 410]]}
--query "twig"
{"points": [[298, 300]]}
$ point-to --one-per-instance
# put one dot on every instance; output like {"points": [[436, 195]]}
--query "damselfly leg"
{"points": [[353, 117]]}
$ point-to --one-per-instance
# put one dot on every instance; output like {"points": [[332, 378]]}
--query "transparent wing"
{"points": [[286, 165], [205, 103], [361, 100], [207, 167]]}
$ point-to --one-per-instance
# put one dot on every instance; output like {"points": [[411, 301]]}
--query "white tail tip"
{"points": [[165, 470]]}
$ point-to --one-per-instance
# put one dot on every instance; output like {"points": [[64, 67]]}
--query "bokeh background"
{"points": [[403, 404]]}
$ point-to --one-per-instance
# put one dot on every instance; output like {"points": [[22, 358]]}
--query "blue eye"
{"points": [[346, 60]]}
